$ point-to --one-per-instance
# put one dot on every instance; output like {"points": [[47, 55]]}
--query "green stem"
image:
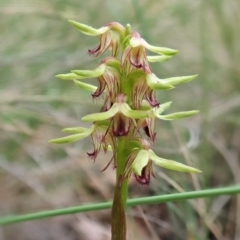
{"points": [[121, 163], [120, 195], [132, 202]]}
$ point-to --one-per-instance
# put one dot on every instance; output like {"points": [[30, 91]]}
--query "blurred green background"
{"points": [[37, 42]]}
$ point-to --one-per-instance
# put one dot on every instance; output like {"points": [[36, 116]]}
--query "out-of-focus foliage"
{"points": [[37, 42]]}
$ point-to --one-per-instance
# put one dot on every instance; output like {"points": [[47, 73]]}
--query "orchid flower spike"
{"points": [[125, 124]]}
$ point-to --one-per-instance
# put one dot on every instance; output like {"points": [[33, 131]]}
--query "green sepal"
{"points": [[90, 73], [75, 130], [163, 107], [161, 58], [134, 144], [177, 115], [161, 50], [112, 62], [85, 132], [136, 114], [140, 161], [102, 115], [103, 123], [70, 139], [157, 84], [87, 29], [85, 86], [68, 76], [178, 80], [172, 165], [135, 42], [145, 106]]}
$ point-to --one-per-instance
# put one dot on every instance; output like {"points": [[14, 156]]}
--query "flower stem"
{"points": [[120, 195]]}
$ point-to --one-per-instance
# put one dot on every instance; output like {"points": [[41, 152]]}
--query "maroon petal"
{"points": [[151, 98], [115, 48], [139, 89], [94, 50], [149, 128], [93, 155], [136, 57], [121, 125], [112, 78], [106, 105], [101, 87], [144, 179], [105, 42]]}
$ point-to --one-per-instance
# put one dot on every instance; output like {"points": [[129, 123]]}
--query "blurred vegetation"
{"points": [[37, 42]]}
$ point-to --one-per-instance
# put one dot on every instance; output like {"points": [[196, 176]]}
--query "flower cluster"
{"points": [[130, 106]]}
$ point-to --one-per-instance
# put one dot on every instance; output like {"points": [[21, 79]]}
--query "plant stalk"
{"points": [[120, 196]]}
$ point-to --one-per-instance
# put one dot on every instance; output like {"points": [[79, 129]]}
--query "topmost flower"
{"points": [[110, 36]]}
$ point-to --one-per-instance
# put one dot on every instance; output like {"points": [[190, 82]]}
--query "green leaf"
{"points": [[102, 115], [161, 58], [157, 84], [68, 76], [172, 165], [87, 29], [85, 86], [177, 115], [178, 80], [140, 161]]}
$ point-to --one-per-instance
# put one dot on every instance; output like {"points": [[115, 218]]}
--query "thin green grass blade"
{"points": [[132, 202]]}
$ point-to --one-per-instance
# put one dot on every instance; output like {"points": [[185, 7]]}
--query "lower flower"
{"points": [[140, 163]]}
